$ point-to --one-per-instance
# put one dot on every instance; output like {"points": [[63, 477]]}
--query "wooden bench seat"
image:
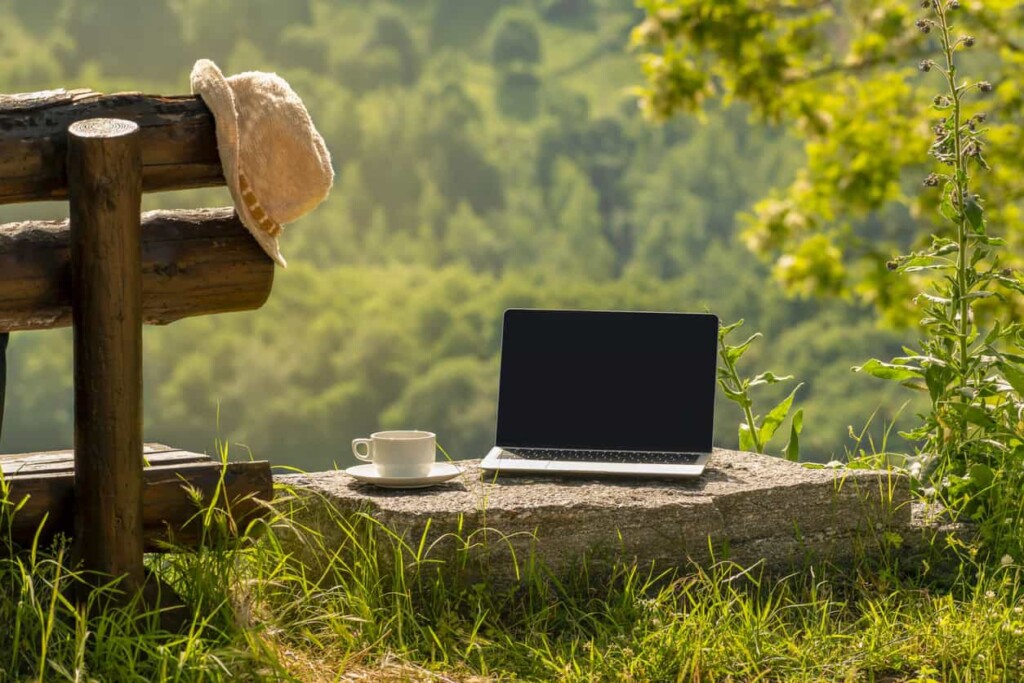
{"points": [[41, 488]]}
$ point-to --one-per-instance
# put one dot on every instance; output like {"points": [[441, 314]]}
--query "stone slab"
{"points": [[748, 508]]}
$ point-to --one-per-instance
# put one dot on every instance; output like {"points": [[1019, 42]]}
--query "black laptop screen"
{"points": [[607, 380]]}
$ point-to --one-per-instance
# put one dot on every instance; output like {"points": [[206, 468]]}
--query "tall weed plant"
{"points": [[972, 439]]}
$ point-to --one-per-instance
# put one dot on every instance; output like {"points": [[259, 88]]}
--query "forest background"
{"points": [[488, 154]]}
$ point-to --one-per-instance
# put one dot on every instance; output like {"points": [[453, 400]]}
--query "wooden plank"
{"points": [[105, 193], [147, 449], [178, 138], [194, 262], [64, 462], [48, 501]]}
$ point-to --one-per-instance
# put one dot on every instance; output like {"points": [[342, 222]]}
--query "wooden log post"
{"points": [[105, 193]]}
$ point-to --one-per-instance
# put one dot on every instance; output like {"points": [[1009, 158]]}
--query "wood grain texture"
{"points": [[64, 461], [194, 262], [105, 195], [169, 513], [177, 136]]}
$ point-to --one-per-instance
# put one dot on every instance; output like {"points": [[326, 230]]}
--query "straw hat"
{"points": [[275, 162]]}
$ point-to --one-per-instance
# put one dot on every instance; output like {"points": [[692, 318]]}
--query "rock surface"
{"points": [[746, 507]]}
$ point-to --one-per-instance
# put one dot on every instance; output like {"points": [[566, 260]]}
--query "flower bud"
{"points": [[968, 41], [932, 180], [926, 65], [924, 25], [954, 4], [985, 86]]}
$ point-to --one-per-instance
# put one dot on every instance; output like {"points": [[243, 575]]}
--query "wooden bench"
{"points": [[105, 271], [46, 482]]}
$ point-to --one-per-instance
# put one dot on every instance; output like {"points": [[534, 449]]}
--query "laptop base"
{"points": [[494, 463]]}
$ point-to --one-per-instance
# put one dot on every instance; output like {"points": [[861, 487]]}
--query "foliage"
{"points": [[753, 436], [516, 43], [838, 73], [973, 433]]}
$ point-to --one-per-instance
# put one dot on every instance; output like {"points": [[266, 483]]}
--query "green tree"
{"points": [[518, 95], [115, 32], [454, 399], [390, 32], [470, 240], [572, 12], [581, 245], [516, 43], [461, 23], [843, 75]]}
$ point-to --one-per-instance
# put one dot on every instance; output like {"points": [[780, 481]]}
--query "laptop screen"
{"points": [[607, 380]]}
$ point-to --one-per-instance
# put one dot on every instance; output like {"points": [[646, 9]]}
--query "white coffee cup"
{"points": [[398, 453]]}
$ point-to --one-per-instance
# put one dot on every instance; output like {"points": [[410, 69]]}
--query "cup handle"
{"points": [[356, 443]]}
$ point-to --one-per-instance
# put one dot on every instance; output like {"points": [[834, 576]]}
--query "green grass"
{"points": [[312, 607]]}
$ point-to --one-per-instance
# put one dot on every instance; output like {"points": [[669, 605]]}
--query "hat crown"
{"points": [[276, 164], [281, 154]]}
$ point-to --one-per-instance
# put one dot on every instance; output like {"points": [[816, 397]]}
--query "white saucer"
{"points": [[440, 472]]}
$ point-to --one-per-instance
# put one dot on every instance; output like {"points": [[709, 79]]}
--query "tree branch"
{"points": [[855, 67]]}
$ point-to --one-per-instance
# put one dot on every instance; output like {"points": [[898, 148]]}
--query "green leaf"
{"points": [[937, 378], [726, 329], [792, 450], [974, 414], [1015, 376], [995, 333], [747, 439], [991, 241], [735, 396], [941, 300], [918, 269], [769, 378], [898, 373], [774, 418], [981, 475], [734, 352], [946, 208], [974, 214]]}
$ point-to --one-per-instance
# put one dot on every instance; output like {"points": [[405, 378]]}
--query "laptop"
{"points": [[605, 393]]}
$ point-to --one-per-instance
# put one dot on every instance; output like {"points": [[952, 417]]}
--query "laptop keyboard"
{"points": [[639, 457]]}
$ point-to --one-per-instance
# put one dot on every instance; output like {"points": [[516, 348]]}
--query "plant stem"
{"points": [[738, 383], [959, 303]]}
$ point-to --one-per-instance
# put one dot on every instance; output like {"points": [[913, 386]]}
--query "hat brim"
{"points": [[209, 83]]}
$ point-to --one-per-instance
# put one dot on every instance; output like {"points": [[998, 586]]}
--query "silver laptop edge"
{"points": [[495, 463]]}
